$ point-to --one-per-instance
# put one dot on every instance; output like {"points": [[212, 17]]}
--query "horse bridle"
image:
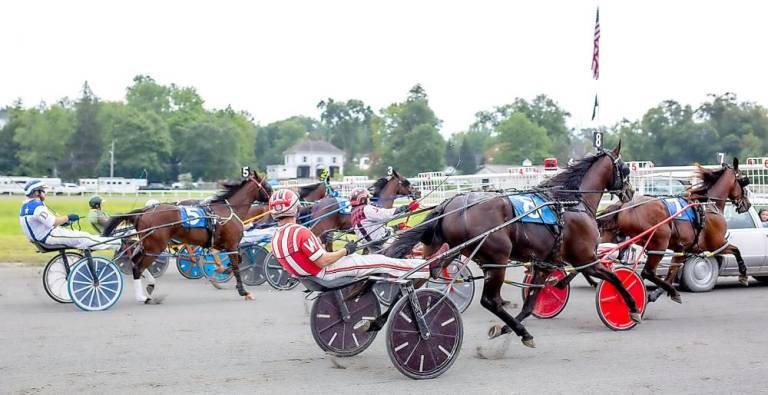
{"points": [[258, 184], [620, 175]]}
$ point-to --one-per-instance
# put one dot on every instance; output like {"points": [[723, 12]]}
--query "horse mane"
{"points": [[307, 189], [570, 178], [378, 186], [228, 190], [115, 220], [707, 178]]}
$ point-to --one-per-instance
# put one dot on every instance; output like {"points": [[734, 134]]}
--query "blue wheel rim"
{"points": [[82, 289], [187, 266], [209, 265]]}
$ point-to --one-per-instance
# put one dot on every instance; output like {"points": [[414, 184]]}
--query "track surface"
{"points": [[206, 340]]}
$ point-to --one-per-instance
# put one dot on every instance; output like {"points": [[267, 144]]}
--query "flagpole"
{"points": [[596, 71]]}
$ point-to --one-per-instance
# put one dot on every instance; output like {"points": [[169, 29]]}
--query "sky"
{"points": [[276, 59]]}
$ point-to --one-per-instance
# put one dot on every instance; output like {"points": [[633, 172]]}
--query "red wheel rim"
{"points": [[610, 305], [551, 300]]}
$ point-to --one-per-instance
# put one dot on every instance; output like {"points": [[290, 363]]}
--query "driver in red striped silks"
{"points": [[302, 254]]}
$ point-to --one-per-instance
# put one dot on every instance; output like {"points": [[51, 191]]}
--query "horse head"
{"points": [[620, 185], [738, 192]]}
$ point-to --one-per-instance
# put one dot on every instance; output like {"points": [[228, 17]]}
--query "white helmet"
{"points": [[284, 203], [151, 202]]}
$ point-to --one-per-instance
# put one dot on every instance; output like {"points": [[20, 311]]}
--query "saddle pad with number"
{"points": [[527, 202], [676, 204], [193, 217]]}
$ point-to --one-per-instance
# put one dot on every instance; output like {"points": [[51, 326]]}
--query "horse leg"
{"points": [[677, 262], [491, 300], [141, 262], [539, 276], [649, 272], [732, 249], [604, 273], [234, 262]]}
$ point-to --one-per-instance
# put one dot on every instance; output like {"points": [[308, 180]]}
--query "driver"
{"points": [[40, 225], [302, 254], [369, 221], [96, 216]]}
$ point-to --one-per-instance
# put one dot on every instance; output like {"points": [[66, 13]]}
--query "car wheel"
{"points": [[762, 279], [699, 274]]}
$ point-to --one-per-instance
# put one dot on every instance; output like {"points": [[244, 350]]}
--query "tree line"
{"points": [[162, 131]]}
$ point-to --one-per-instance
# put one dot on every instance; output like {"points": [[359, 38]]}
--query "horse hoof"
{"points": [[249, 296], [363, 325], [637, 317], [529, 343], [150, 289], [676, 298], [495, 331], [156, 300], [744, 281]]}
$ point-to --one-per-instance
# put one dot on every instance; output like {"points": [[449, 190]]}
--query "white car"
{"points": [[68, 188], [746, 232]]}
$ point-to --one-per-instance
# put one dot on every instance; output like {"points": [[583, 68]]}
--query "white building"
{"points": [[307, 159], [112, 184]]}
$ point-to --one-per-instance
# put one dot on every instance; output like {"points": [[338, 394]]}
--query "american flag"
{"points": [[596, 50]]}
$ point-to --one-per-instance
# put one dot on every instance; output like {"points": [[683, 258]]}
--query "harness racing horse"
{"points": [[307, 193], [327, 215], [575, 242], [634, 217], [157, 225]]}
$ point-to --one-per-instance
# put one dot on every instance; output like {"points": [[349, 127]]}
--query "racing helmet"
{"points": [[284, 203], [359, 196], [151, 202], [33, 186], [95, 201]]}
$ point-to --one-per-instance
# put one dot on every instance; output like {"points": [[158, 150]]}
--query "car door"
{"points": [[751, 239]]}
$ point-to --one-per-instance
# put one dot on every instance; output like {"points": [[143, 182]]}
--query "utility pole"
{"points": [[112, 160]]}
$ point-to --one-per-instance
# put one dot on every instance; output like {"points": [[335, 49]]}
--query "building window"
{"points": [[334, 159], [319, 159], [304, 159]]}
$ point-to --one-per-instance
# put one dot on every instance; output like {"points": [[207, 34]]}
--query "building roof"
{"points": [[313, 146]]}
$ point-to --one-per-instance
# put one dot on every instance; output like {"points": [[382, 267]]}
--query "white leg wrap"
{"points": [[138, 289], [148, 276]]}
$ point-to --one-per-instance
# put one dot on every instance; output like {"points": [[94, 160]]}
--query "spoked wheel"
{"points": [[420, 358], [333, 330], [209, 267], [159, 266], [277, 277], [610, 305], [252, 264], [55, 277], [551, 300], [461, 291], [186, 264], [98, 289]]}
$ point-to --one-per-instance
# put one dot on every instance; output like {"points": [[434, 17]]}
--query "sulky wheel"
{"points": [[412, 354], [333, 330], [209, 267], [460, 292], [610, 305], [55, 277], [186, 263], [277, 277], [551, 300], [159, 266], [97, 286], [252, 264]]}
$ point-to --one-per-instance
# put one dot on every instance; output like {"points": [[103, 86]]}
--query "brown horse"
{"points": [[575, 242], [307, 193], [716, 186], [327, 216], [157, 225]]}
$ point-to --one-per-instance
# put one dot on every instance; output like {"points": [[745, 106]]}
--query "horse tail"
{"points": [[608, 220], [130, 218], [427, 234]]}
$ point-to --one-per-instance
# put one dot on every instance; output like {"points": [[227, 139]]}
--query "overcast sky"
{"points": [[275, 59]]}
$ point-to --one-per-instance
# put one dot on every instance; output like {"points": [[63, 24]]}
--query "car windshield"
{"points": [[738, 221], [664, 186]]}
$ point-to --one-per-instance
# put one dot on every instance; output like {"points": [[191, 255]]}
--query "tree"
{"points": [[42, 137], [468, 164], [85, 145], [347, 125], [142, 142], [519, 139], [211, 152], [9, 148], [273, 139], [409, 138]]}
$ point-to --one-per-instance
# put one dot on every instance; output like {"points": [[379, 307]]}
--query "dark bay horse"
{"points": [[716, 186], [307, 193], [584, 182], [228, 209], [327, 217]]}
